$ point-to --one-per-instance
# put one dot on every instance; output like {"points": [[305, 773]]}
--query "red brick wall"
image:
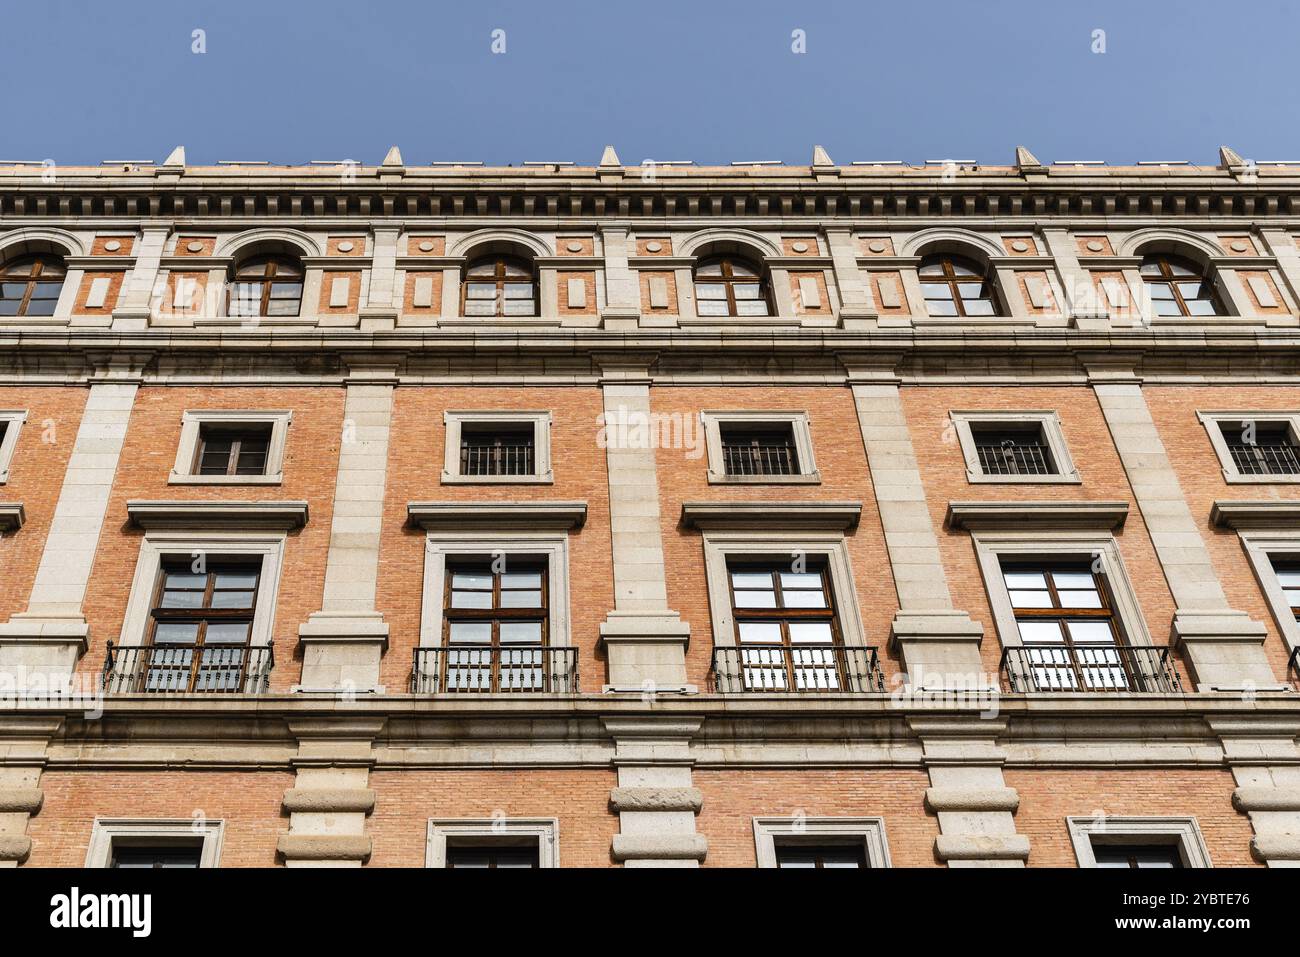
{"points": [[248, 803], [1048, 797], [408, 799]]}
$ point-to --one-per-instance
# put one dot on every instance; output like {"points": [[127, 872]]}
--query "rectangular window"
{"points": [[232, 449], [201, 622], [497, 450], [1261, 448], [806, 856], [492, 855], [1288, 576], [1157, 856], [188, 854], [494, 628], [1009, 449], [785, 628], [759, 450]]}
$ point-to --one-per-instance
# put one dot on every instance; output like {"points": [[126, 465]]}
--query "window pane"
{"points": [[755, 599], [1160, 290], [747, 290], [1201, 307], [1080, 599], [1040, 632], [41, 307], [471, 599], [9, 307], [742, 269], [804, 599], [969, 290], [1091, 632], [474, 580], [47, 290], [1024, 580], [810, 632], [521, 632], [1178, 269], [936, 290], [760, 632], [1073, 580], [232, 599], [521, 580], [226, 633], [750, 307], [481, 307], [1164, 308], [801, 580], [1031, 599], [185, 580], [710, 290], [707, 307], [481, 290], [518, 307], [937, 307], [978, 307], [521, 599], [960, 268], [182, 599], [709, 269], [470, 632], [519, 290], [176, 633]]}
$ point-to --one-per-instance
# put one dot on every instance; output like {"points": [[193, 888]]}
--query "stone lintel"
{"points": [[1036, 514]]}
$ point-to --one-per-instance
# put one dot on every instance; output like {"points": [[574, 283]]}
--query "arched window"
{"points": [[953, 286], [1178, 288], [30, 286], [728, 286], [266, 286], [499, 286]]}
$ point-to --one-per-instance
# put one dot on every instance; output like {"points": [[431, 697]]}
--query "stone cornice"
{"points": [[217, 514], [12, 516], [1269, 513], [531, 515], [838, 516], [975, 516]]}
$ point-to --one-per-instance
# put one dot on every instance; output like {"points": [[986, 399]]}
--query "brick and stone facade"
{"points": [[646, 734]]}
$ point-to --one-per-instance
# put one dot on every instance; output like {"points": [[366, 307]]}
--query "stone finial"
{"points": [[393, 157], [1228, 157], [176, 157], [1026, 158], [821, 157], [609, 157]]}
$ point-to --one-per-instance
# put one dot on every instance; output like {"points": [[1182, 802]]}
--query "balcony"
{"points": [[485, 457], [796, 668], [484, 669], [186, 669], [1089, 668], [770, 458]]}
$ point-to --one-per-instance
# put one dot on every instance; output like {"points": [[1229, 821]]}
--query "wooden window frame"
{"points": [[1166, 261], [820, 848], [869, 832], [1184, 832], [781, 613], [36, 268], [442, 832], [499, 278], [270, 266], [988, 287], [729, 280], [967, 422], [495, 615], [242, 431]]}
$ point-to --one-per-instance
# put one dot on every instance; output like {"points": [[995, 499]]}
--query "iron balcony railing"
{"points": [[187, 669], [746, 458], [485, 669], [490, 458], [1089, 668], [796, 668], [1013, 458], [1273, 459]]}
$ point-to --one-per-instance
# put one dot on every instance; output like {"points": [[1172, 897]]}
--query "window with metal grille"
{"points": [[729, 286], [807, 856], [786, 627], [1013, 450], [187, 854], [497, 450], [1161, 856], [492, 855], [30, 286], [953, 286], [1261, 448], [499, 286], [201, 622], [232, 449], [266, 286], [759, 451], [1178, 287], [495, 626]]}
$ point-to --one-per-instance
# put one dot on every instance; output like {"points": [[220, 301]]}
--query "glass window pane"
{"points": [[521, 599], [41, 307], [960, 268], [286, 290], [282, 307], [9, 307], [936, 290], [517, 307], [519, 290], [1073, 580], [521, 580], [1080, 599], [750, 307], [471, 599], [481, 307], [710, 290], [235, 579], [810, 633], [707, 307], [176, 633], [232, 599], [978, 307], [1160, 290], [1189, 290], [739, 268], [182, 599], [941, 307], [185, 580], [760, 632], [801, 580], [470, 632], [47, 290], [521, 632], [747, 290], [1292, 596], [1031, 599], [755, 599], [969, 290], [1178, 269], [226, 633], [1150, 268], [1091, 632], [1201, 307], [751, 580], [1040, 632], [1024, 580], [1164, 308], [804, 599], [472, 580], [709, 269]]}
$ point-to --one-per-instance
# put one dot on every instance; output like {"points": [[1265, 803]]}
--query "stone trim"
{"points": [[539, 422], [1049, 423], [1182, 831], [971, 799], [800, 432], [1261, 515], [21, 800], [321, 800], [870, 831], [324, 847], [12, 516], [1046, 543], [1260, 798], [1260, 546], [192, 422], [160, 515], [13, 420], [1267, 848], [981, 847], [15, 847], [516, 830], [822, 516], [107, 831], [656, 799], [973, 516], [659, 847], [1214, 421], [503, 515]]}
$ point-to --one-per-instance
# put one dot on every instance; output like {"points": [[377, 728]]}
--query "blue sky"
{"points": [[292, 81]]}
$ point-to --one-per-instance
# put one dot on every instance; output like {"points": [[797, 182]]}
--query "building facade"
{"points": [[650, 516]]}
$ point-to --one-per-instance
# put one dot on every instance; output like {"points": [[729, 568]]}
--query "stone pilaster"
{"points": [[645, 641], [382, 306], [343, 643], [1082, 304], [654, 799], [939, 645], [135, 306], [974, 806], [23, 743], [1224, 647], [331, 797], [1265, 761], [39, 647], [622, 294], [857, 310]]}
